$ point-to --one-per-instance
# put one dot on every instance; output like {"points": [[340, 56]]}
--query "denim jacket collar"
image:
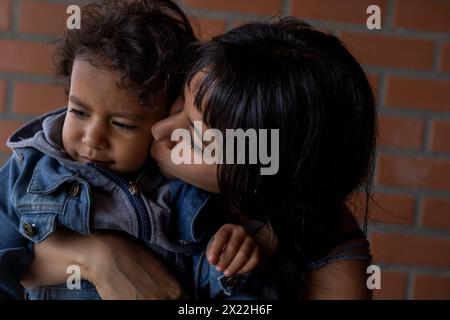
{"points": [[188, 202]]}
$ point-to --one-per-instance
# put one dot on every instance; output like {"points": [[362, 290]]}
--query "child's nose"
{"points": [[95, 137]]}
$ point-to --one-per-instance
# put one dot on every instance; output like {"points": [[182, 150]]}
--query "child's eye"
{"points": [[78, 113], [123, 126]]}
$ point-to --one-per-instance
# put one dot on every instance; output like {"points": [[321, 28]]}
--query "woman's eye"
{"points": [[194, 147], [123, 126], [78, 113], [192, 143]]}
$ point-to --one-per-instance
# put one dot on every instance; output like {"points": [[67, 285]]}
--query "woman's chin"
{"points": [[165, 173]]}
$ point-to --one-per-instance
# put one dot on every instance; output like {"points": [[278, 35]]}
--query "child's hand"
{"points": [[233, 250]]}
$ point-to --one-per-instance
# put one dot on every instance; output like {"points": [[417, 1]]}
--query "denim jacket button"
{"points": [[30, 229], [75, 189]]}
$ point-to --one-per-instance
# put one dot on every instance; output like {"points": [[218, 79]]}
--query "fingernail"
{"points": [[218, 268], [227, 273]]}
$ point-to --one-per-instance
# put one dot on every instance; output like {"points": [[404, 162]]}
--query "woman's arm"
{"points": [[52, 257], [118, 267]]}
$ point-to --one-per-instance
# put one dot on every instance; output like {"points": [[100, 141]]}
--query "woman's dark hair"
{"points": [[140, 39], [285, 75]]}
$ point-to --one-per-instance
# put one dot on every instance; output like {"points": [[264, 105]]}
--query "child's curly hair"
{"points": [[140, 39]]}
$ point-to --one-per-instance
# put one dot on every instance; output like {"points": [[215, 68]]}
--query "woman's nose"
{"points": [[162, 129], [177, 106], [176, 120], [95, 137]]}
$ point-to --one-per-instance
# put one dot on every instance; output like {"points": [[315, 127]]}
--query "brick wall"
{"points": [[408, 61]]}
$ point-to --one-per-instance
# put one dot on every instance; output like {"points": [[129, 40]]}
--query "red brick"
{"points": [[431, 15], [397, 52], [436, 212], [37, 98], [7, 127], [427, 287], [42, 17], [393, 286], [402, 171], [2, 95], [410, 250], [445, 64], [427, 94], [205, 28], [25, 57], [268, 7], [440, 140], [401, 132], [384, 208], [5, 15], [352, 11]]}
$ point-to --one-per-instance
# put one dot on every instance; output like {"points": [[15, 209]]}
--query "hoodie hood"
{"points": [[43, 133]]}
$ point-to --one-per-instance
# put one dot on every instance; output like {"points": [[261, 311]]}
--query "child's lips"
{"points": [[103, 162]]}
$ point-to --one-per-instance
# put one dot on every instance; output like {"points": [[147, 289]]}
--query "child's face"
{"points": [[104, 124]]}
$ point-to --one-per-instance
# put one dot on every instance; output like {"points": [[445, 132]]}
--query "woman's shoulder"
{"points": [[347, 243], [341, 272]]}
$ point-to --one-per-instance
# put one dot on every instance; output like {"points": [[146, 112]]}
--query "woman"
{"points": [[290, 77]]}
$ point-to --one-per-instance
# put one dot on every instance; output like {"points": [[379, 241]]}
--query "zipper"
{"points": [[132, 192]]}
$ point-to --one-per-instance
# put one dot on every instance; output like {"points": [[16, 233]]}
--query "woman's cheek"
{"points": [[161, 152], [166, 173], [203, 176]]}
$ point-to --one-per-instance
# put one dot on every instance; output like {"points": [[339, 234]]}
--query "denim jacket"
{"points": [[42, 188]]}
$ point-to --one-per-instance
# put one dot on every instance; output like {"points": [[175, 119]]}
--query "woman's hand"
{"points": [[118, 267], [127, 270]]}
